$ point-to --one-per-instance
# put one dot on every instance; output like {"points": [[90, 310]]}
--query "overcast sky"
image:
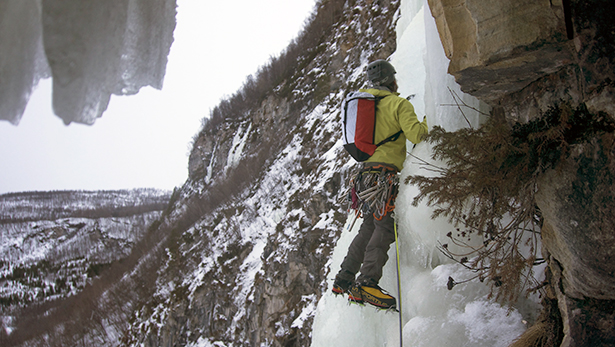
{"points": [[143, 140]]}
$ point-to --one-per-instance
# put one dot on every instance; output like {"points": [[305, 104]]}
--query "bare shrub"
{"points": [[487, 189]]}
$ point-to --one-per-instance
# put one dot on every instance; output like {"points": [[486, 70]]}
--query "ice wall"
{"points": [[93, 49], [22, 60], [432, 315]]}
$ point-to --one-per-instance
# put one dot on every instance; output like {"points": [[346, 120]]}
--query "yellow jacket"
{"points": [[393, 114]]}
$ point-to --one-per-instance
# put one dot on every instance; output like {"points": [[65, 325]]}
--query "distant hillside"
{"points": [[51, 205], [53, 243]]}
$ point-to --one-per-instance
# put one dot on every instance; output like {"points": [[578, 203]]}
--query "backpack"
{"points": [[359, 122]]}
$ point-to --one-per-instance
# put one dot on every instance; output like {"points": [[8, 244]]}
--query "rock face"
{"points": [[524, 57], [576, 202], [208, 158], [500, 48], [264, 192]]}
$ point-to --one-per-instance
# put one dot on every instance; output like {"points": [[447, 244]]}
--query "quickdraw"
{"points": [[373, 190]]}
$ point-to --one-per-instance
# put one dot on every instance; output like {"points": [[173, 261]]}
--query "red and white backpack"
{"points": [[359, 121]]}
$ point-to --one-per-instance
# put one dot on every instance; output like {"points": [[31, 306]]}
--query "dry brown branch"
{"points": [[488, 190]]}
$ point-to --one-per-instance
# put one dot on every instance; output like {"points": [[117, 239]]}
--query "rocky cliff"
{"points": [[524, 58], [251, 268]]}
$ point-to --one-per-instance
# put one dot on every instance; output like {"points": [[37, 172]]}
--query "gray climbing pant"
{"points": [[368, 252]]}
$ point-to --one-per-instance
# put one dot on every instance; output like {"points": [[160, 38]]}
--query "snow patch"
{"points": [[308, 311]]}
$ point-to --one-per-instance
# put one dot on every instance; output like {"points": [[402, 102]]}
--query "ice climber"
{"points": [[374, 189]]}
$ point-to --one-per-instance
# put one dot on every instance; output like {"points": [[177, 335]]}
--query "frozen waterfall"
{"points": [[432, 315]]}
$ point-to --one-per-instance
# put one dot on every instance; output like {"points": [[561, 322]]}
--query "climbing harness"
{"points": [[373, 190]]}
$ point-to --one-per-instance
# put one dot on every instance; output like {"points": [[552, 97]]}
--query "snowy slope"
{"points": [[53, 243], [251, 271], [432, 315]]}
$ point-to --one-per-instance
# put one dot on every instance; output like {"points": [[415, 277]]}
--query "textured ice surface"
{"points": [[91, 49], [22, 60], [432, 315]]}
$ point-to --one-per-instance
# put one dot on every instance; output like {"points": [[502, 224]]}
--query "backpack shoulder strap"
{"points": [[393, 137]]}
